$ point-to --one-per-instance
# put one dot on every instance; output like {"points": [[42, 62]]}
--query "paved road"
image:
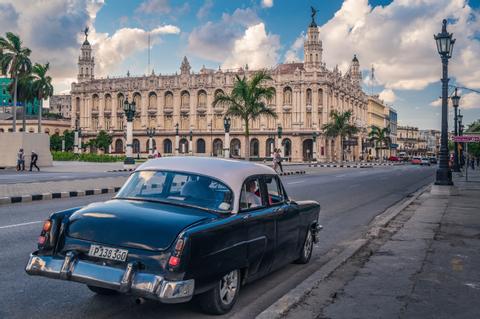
{"points": [[350, 199], [10, 177]]}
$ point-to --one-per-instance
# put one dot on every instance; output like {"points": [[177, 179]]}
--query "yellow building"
{"points": [[49, 126], [377, 115]]}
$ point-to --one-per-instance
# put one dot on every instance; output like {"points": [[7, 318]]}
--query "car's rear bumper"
{"points": [[127, 280]]}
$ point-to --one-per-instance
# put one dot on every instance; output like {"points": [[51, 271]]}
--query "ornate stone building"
{"points": [[306, 93]]}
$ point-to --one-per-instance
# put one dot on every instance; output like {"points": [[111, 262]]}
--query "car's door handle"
{"points": [[246, 216]]}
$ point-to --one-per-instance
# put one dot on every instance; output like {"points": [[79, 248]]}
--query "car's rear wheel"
{"points": [[307, 249], [222, 298], [102, 291]]}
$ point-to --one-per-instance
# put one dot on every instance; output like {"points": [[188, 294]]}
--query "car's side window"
{"points": [[274, 190], [251, 196]]}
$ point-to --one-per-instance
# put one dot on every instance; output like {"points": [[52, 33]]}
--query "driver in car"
{"points": [[251, 198]]}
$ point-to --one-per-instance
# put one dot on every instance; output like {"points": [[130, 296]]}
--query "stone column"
{"points": [[177, 144], [129, 152], [75, 142], [150, 146], [144, 106]]}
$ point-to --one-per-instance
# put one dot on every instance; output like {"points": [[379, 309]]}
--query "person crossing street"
{"points": [[33, 161]]}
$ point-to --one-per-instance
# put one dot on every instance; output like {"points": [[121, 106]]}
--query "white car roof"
{"points": [[230, 172]]}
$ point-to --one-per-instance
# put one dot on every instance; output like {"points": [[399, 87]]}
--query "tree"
{"points": [[340, 127], [56, 142], [14, 60], [381, 138], [247, 101], [42, 86], [25, 93], [69, 137], [103, 141]]}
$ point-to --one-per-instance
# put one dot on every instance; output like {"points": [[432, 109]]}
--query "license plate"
{"points": [[108, 253]]}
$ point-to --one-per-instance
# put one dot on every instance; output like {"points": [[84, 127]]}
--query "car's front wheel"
{"points": [[307, 249], [222, 298], [102, 291]]}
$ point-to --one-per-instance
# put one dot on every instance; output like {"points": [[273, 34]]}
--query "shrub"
{"points": [[85, 157]]}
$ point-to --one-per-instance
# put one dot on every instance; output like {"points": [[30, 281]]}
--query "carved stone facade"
{"points": [[306, 93]]}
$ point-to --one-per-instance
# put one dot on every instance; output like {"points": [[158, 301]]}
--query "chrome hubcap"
{"points": [[307, 248], [228, 287]]}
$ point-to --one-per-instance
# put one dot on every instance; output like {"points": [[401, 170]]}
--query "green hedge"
{"points": [[85, 157]]}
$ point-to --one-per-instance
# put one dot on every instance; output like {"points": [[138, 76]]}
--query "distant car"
{"points": [[416, 161], [425, 161], [433, 160], [179, 227], [394, 158]]}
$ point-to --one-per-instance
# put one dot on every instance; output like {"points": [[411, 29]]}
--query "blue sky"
{"points": [[396, 36]]}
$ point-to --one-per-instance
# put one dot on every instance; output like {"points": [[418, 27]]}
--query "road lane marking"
{"points": [[295, 182], [21, 224]]}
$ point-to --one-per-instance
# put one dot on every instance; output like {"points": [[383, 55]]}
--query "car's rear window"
{"points": [[178, 188]]}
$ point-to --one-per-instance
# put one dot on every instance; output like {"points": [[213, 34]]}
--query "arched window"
{"points": [[287, 147], [108, 103], [287, 96], [235, 146], [136, 146], [217, 147], [147, 144], [202, 99], [120, 99], [320, 97], [273, 100], [201, 146], [309, 97], [152, 100], [218, 91], [119, 146], [137, 98], [168, 99], [183, 146], [269, 146], [95, 102], [254, 148], [185, 99], [167, 146]]}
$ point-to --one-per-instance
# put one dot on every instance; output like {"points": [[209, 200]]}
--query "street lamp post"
{"points": [[129, 109], [226, 125], [150, 134], [460, 133], [445, 44], [190, 146], [279, 138], [455, 102], [177, 140], [75, 137], [314, 146]]}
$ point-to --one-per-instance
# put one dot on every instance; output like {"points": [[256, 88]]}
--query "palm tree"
{"points": [[25, 93], [247, 101], [15, 61], [381, 138], [42, 86], [340, 127]]}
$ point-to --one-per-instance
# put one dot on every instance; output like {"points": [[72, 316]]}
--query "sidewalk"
{"points": [[428, 269]]}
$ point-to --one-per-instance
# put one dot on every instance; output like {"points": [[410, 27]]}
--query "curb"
{"points": [[121, 170], [283, 305], [297, 294], [365, 165], [47, 196], [291, 173]]}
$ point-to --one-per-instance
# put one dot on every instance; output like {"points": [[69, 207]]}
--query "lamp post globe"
{"points": [[445, 44], [455, 101], [129, 109]]}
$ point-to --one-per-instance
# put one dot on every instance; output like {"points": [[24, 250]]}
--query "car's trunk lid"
{"points": [[135, 224]]}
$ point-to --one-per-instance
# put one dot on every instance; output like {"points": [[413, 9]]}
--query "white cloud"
{"points": [[436, 103], [204, 10], [267, 3], [112, 50], [388, 96], [215, 40], [293, 53], [470, 101], [154, 6], [398, 40], [256, 48]]}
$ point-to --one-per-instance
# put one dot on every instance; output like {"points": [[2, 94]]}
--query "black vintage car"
{"points": [[180, 227]]}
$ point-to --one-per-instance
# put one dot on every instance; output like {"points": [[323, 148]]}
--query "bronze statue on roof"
{"points": [[314, 13]]}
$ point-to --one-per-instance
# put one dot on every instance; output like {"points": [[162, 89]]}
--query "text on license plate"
{"points": [[108, 252]]}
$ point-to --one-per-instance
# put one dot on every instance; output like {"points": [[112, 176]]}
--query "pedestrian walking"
{"points": [[20, 160], [279, 159], [33, 161]]}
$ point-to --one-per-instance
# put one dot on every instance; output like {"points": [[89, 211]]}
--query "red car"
{"points": [[416, 161], [393, 158]]}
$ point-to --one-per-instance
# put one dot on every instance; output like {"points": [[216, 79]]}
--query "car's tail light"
{"points": [[47, 225], [175, 258], [174, 261]]}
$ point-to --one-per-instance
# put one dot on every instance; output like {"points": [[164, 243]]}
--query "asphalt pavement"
{"points": [[350, 199]]}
